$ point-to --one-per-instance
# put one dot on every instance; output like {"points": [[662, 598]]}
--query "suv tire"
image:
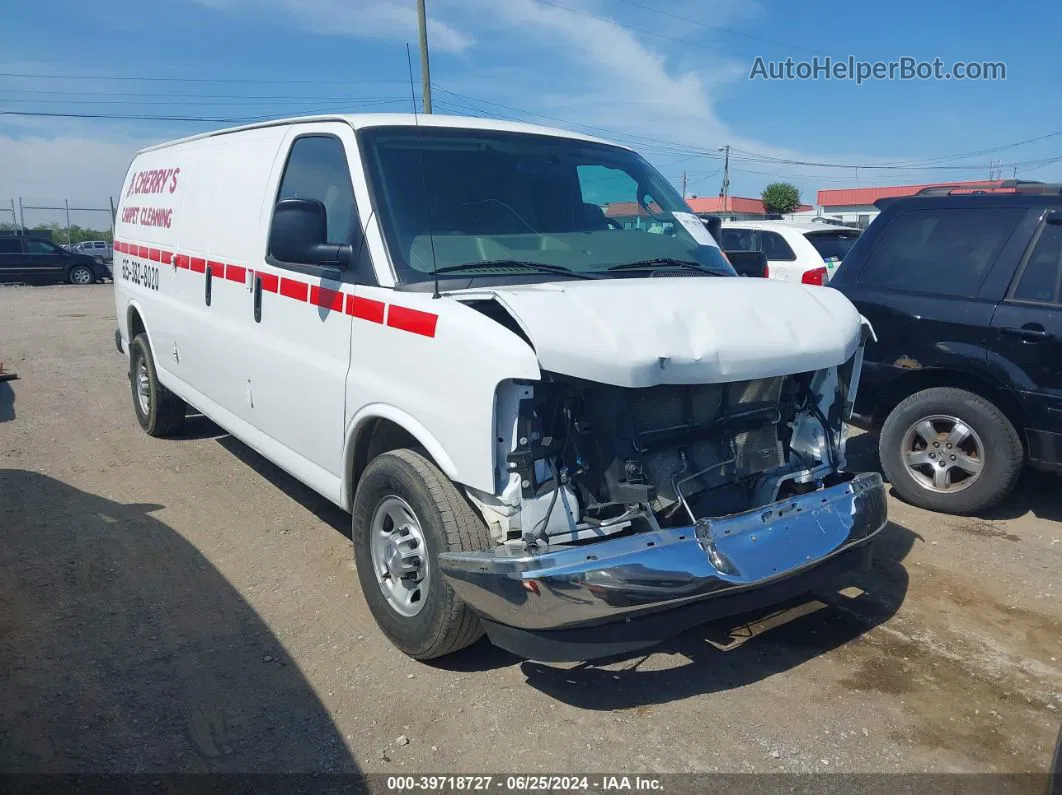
{"points": [[81, 274], [406, 512], [158, 410], [939, 439]]}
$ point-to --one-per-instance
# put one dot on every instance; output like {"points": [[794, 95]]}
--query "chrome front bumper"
{"points": [[619, 579]]}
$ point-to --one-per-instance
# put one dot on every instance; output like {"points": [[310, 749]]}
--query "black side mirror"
{"points": [[299, 234], [714, 225], [1053, 217]]}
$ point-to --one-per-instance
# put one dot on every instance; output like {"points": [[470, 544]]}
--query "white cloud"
{"points": [[364, 18], [621, 79], [84, 170]]}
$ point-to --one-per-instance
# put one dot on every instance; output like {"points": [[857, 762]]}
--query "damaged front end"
{"points": [[615, 504]]}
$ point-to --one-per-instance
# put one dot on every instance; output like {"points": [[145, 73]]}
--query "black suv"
{"points": [[35, 261], [965, 378]]}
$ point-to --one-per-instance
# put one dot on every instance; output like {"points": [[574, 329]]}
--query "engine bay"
{"points": [[577, 460]]}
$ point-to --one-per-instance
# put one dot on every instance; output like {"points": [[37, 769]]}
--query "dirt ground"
{"points": [[183, 605]]}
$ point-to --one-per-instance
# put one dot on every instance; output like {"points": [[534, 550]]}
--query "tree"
{"points": [[780, 198]]}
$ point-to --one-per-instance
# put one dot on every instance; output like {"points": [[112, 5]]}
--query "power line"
{"points": [[671, 147], [628, 27], [204, 119], [134, 94], [720, 28], [192, 102], [194, 79]]}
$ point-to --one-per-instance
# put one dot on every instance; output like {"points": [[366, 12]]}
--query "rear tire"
{"points": [[992, 451], [436, 622], [158, 410], [81, 274]]}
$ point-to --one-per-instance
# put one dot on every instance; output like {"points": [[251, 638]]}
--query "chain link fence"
{"points": [[58, 220]]}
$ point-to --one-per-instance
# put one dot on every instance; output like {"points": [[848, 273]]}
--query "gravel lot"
{"points": [[183, 605]]}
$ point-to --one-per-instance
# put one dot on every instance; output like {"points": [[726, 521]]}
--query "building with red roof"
{"points": [[856, 205]]}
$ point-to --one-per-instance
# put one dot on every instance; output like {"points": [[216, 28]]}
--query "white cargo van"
{"points": [[515, 356]]}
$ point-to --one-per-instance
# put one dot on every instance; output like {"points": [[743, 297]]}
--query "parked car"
{"points": [[965, 377], [35, 261], [745, 263], [798, 252], [540, 429], [99, 249]]}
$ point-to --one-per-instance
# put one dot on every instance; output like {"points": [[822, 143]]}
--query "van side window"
{"points": [[317, 169]]}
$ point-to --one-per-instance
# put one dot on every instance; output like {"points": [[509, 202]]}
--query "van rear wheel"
{"points": [[406, 512], [158, 410]]}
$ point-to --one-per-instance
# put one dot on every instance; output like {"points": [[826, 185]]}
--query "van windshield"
{"points": [[489, 203]]}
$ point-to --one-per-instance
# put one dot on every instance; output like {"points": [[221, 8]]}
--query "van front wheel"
{"points": [[158, 410], [406, 512]]}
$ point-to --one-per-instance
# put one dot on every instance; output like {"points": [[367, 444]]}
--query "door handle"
{"points": [[209, 279], [257, 299], [1032, 332]]}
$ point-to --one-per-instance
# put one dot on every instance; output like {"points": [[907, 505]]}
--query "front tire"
{"points": [[951, 451], [81, 274], [406, 513], [158, 410]]}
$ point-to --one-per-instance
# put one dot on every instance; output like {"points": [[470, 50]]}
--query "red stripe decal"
{"points": [[216, 268], [117, 246], [412, 320], [166, 257], [236, 273], [294, 289], [142, 251], [270, 282], [154, 255], [329, 299], [197, 264], [365, 308], [181, 261]]}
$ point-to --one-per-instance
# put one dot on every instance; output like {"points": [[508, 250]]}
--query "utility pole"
{"points": [[683, 185], [725, 191], [425, 69]]}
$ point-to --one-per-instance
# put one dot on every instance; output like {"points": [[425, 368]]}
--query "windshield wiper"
{"points": [[516, 264], [669, 262]]}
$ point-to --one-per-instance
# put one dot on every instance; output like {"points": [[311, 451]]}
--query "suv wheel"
{"points": [[82, 274], [950, 451], [407, 512]]}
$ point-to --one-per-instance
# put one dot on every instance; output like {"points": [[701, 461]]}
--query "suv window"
{"points": [[10, 245], [833, 245], [739, 240], [40, 247], [317, 169], [774, 246], [770, 243], [941, 251], [1041, 278]]}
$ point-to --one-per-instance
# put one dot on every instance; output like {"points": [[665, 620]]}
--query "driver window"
{"points": [[317, 169], [610, 201], [39, 247]]}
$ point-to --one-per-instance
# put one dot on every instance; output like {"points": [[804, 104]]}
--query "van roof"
{"points": [[362, 120]]}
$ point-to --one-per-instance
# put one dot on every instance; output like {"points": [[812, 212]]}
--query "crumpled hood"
{"points": [[644, 332]]}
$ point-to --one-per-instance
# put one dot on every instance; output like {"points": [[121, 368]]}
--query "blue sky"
{"points": [[669, 78]]}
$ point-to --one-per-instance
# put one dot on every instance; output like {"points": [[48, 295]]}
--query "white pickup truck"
{"points": [[577, 434]]}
